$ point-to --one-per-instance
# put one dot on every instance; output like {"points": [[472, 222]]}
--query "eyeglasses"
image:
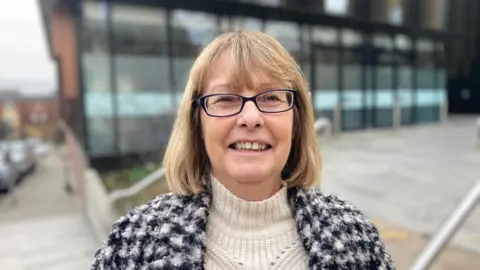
{"points": [[271, 101]]}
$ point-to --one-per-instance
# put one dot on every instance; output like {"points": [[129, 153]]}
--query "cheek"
{"points": [[282, 129], [213, 133]]}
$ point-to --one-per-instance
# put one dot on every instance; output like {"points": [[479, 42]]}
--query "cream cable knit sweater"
{"points": [[252, 235]]}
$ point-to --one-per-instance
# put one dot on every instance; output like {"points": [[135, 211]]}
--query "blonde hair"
{"points": [[186, 162]]}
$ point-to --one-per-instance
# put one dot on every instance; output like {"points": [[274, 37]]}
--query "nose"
{"points": [[250, 117]]}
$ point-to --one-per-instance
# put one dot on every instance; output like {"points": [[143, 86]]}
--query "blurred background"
{"points": [[89, 91]]}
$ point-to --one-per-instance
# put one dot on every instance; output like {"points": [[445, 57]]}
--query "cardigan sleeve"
{"points": [[379, 256], [367, 239], [114, 253], [344, 238], [132, 240]]}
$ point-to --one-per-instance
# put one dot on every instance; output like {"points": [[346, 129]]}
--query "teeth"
{"points": [[250, 146]]}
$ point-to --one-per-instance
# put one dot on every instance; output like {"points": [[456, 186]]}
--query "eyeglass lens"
{"points": [[269, 102]]}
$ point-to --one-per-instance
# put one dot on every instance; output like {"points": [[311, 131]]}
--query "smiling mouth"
{"points": [[249, 146]]}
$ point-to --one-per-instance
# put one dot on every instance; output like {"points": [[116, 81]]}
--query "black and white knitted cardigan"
{"points": [[169, 233]]}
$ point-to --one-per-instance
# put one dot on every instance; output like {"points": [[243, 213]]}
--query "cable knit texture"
{"points": [[252, 235], [170, 232]]}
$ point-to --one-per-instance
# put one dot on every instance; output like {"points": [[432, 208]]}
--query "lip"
{"points": [[249, 153]]}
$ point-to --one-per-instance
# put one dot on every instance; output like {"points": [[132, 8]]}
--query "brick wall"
{"points": [[35, 117]]}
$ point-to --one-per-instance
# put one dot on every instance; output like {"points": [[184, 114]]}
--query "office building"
{"points": [[123, 64]]}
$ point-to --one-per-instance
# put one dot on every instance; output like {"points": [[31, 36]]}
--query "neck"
{"points": [[252, 190], [241, 217]]}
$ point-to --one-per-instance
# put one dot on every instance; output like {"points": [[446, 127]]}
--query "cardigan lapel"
{"points": [[309, 225], [186, 248]]}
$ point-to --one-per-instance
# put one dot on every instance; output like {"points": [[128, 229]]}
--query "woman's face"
{"points": [[223, 136]]}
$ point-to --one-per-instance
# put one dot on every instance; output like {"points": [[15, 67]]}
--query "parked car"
{"points": [[21, 155], [40, 148], [8, 174]]}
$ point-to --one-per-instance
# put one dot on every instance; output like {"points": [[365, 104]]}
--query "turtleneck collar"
{"points": [[249, 218]]}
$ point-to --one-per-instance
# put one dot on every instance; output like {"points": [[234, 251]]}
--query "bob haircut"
{"points": [[186, 163]]}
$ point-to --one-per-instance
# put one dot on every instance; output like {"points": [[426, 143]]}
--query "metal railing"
{"points": [[137, 187], [448, 229], [478, 131], [323, 124]]}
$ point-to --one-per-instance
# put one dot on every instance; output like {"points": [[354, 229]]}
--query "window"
{"points": [[388, 11], [433, 14], [327, 61], [192, 31], [352, 79], [305, 51], [98, 96], [441, 83], [457, 14], [142, 77], [404, 77], [426, 95], [383, 96], [246, 23], [339, 7], [287, 33], [271, 3]]}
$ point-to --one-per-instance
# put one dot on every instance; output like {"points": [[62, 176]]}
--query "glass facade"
{"points": [[135, 62], [143, 90], [98, 93]]}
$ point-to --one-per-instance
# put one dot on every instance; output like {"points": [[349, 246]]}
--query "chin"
{"points": [[249, 174]]}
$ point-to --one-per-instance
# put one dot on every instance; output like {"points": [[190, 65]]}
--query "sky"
{"points": [[24, 60]]}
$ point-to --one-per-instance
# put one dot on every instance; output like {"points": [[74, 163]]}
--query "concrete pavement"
{"points": [[46, 229], [405, 246], [408, 182]]}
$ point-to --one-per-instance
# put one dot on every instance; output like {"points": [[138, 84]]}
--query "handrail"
{"points": [[448, 229], [478, 129], [323, 123], [137, 187]]}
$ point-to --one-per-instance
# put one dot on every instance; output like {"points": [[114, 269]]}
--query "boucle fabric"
{"points": [[170, 233], [252, 235]]}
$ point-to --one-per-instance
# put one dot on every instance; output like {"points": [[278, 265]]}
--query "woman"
{"points": [[240, 163]]}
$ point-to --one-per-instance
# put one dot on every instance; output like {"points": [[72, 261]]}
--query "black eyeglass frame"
{"points": [[202, 99]]}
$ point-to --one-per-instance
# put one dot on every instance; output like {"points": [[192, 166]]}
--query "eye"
{"points": [[272, 97], [222, 100], [226, 99]]}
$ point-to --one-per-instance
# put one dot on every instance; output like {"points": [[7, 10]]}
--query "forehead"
{"points": [[226, 74]]}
